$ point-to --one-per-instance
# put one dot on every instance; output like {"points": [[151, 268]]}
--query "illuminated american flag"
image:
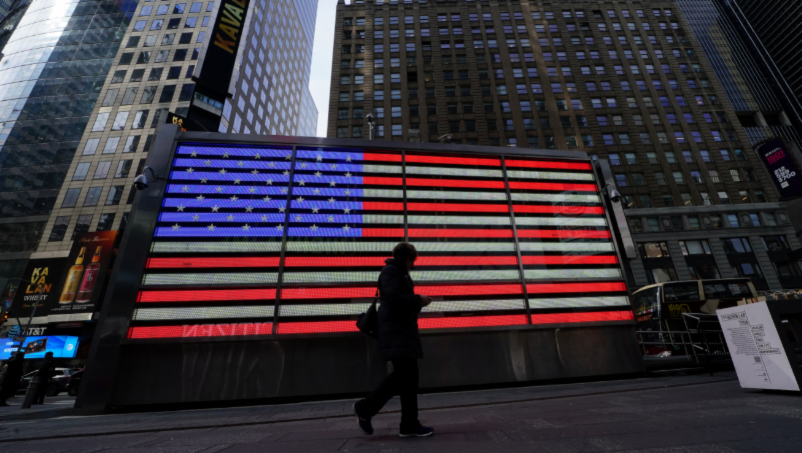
{"points": [[257, 241]]}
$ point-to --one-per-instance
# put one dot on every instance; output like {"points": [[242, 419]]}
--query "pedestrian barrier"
{"points": [[702, 343]]}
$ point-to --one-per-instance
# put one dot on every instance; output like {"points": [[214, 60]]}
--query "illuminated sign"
{"points": [[36, 347], [220, 57], [784, 171], [272, 240]]}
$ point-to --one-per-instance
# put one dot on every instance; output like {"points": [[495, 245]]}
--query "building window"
{"points": [[661, 275], [106, 222], [82, 226], [59, 228], [775, 243], [702, 272], [701, 247], [70, 198], [736, 245], [653, 250]]}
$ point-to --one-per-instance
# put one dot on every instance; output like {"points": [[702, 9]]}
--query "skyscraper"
{"points": [[626, 82], [79, 116]]}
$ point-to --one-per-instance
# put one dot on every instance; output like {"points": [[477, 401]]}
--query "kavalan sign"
{"points": [[217, 62], [40, 286]]}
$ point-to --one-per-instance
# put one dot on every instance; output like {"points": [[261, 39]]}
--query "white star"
{"points": [[281, 209], [313, 227], [348, 159], [347, 210], [280, 227], [237, 181], [203, 180], [180, 208], [211, 227], [287, 157], [301, 183], [246, 227], [269, 182], [252, 190], [222, 171], [200, 198], [194, 154], [300, 199], [248, 209], [239, 164], [333, 166], [215, 208], [348, 175], [318, 174], [286, 172], [195, 217], [317, 192], [303, 164], [283, 190], [234, 198], [332, 200], [208, 162], [225, 155], [184, 189], [176, 227], [297, 218], [264, 218], [319, 157], [230, 218], [348, 191], [346, 228], [218, 189], [255, 172], [267, 198], [333, 184], [331, 218], [257, 156], [190, 170], [272, 165], [314, 210]]}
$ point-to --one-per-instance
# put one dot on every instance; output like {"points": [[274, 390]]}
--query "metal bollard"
{"points": [[30, 393]]}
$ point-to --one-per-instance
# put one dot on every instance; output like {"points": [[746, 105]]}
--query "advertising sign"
{"points": [[755, 347], [36, 347], [784, 171], [40, 285], [83, 281], [217, 64]]}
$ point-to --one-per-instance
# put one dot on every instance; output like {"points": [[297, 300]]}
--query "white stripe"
{"points": [[216, 247], [418, 276], [579, 302], [438, 195], [566, 247], [471, 172], [555, 197], [210, 278], [153, 314], [475, 305], [560, 221], [383, 219], [532, 274], [383, 193], [455, 220], [381, 168], [549, 175], [330, 247], [322, 309], [435, 307], [474, 247]]}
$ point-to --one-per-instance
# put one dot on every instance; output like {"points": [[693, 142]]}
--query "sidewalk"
{"points": [[656, 415]]}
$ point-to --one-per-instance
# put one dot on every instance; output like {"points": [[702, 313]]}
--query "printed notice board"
{"points": [[756, 349]]}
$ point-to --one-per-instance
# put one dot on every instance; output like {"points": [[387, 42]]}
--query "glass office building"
{"points": [[84, 85]]}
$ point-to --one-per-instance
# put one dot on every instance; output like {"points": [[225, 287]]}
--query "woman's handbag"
{"points": [[368, 322]]}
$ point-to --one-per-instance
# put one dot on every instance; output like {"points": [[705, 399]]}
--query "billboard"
{"points": [[261, 240], [780, 162], [40, 285], [61, 346], [217, 63]]}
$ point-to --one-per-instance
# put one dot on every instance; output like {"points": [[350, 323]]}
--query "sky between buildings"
{"points": [[321, 61]]}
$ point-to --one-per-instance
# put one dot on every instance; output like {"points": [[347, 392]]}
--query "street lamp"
{"points": [[371, 125], [35, 305]]}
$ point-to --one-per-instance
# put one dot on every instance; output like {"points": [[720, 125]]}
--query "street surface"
{"points": [[682, 414]]}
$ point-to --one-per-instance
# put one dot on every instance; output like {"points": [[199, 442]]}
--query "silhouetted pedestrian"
{"points": [[399, 342], [45, 373], [10, 376]]}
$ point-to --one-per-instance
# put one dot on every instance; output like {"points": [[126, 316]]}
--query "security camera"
{"points": [[615, 197], [141, 182], [369, 118]]}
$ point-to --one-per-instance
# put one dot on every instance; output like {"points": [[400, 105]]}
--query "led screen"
{"points": [[267, 240], [36, 347]]}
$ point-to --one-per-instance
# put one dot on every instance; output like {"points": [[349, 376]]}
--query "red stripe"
{"points": [[206, 295], [473, 184], [454, 233], [466, 261], [469, 290], [380, 157], [381, 181], [453, 207], [285, 328], [199, 263], [564, 187], [570, 210], [382, 206], [471, 321], [590, 287], [369, 292], [544, 164], [382, 232], [453, 160], [326, 293], [201, 330], [559, 318], [543, 260], [563, 234]]}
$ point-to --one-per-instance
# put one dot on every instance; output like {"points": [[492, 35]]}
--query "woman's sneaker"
{"points": [[364, 423], [421, 431]]}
